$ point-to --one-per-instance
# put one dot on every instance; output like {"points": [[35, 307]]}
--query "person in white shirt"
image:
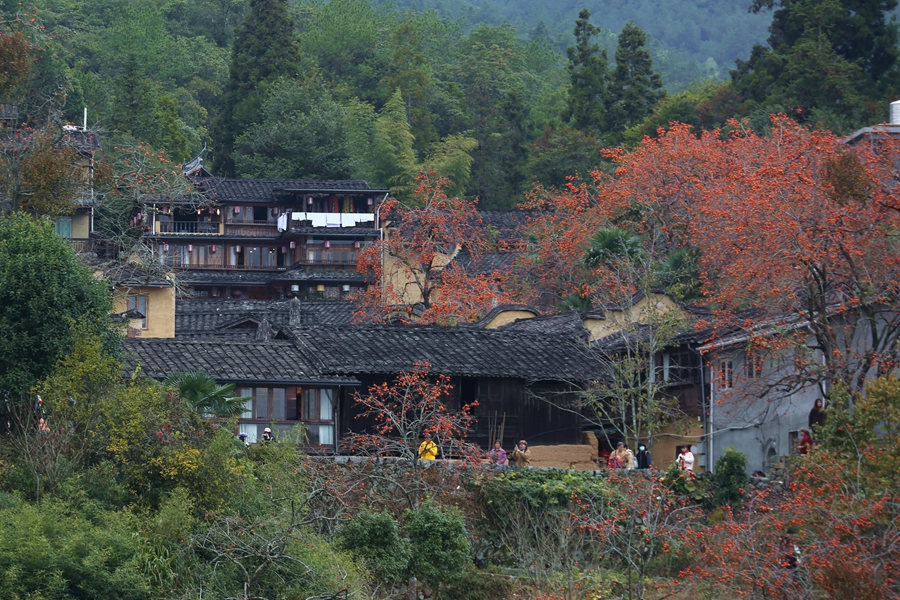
{"points": [[686, 458]]}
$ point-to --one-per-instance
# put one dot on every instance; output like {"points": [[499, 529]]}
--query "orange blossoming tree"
{"points": [[397, 414], [412, 271]]}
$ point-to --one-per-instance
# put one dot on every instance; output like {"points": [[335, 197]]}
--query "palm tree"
{"points": [[206, 396], [610, 245]]}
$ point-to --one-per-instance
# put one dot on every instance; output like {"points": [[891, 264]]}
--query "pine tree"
{"points": [[635, 87], [589, 71], [824, 57], [264, 49]]}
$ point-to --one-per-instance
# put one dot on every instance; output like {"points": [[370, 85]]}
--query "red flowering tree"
{"points": [[412, 270], [400, 413]]}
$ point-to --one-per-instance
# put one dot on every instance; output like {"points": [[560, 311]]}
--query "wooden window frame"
{"points": [[145, 322]]}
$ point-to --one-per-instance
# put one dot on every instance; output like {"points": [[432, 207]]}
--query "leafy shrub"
{"points": [[440, 549], [375, 538], [683, 483], [730, 477]]}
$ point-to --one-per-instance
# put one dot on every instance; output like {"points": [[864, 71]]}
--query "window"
{"points": [[247, 413], [139, 303], [726, 375], [754, 364], [680, 366], [317, 413], [262, 403], [278, 404], [64, 227]]}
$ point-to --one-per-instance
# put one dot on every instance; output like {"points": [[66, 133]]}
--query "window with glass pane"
{"points": [[278, 404], [325, 405], [247, 413], [139, 303], [262, 403], [250, 429], [318, 405]]}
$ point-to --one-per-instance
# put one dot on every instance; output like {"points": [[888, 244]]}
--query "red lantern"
{"points": [[327, 244], [370, 201], [356, 243], [190, 247], [293, 245], [213, 248], [309, 200], [284, 249], [237, 210], [237, 248], [275, 211]]}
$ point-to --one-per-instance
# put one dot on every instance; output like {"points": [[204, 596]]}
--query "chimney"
{"points": [[264, 331], [296, 313]]}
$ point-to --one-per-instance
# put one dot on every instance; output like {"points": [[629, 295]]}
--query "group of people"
{"points": [[520, 455], [266, 437], [624, 457]]}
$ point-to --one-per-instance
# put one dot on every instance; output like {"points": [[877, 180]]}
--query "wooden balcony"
{"points": [[189, 228], [261, 229]]}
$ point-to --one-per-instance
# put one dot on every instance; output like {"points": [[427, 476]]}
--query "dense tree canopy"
{"points": [[45, 293]]}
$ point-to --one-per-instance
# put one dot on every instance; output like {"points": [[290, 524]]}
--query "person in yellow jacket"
{"points": [[428, 450]]}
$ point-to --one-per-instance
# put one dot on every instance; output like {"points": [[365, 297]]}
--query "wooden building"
{"points": [[265, 238], [309, 374]]}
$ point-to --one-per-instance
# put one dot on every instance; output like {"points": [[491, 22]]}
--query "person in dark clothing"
{"points": [[643, 457], [817, 415]]}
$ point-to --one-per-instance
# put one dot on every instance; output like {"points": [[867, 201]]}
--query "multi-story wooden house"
{"points": [[266, 238]]}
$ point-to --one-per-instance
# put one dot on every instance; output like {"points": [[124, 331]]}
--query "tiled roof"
{"points": [[506, 224], [269, 190], [239, 277], [390, 349], [275, 361], [567, 323], [206, 317], [301, 274], [235, 277], [487, 263], [134, 275]]}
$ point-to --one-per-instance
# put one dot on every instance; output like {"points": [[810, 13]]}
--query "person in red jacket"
{"points": [[805, 441]]}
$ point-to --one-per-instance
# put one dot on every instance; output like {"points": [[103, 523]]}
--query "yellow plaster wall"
{"points": [[81, 224], [638, 313], [160, 309], [508, 316], [670, 437]]}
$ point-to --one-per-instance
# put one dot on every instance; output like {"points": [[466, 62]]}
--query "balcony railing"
{"points": [[215, 262], [267, 230], [189, 227]]}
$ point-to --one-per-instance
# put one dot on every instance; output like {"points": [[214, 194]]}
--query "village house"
{"points": [[303, 373], [264, 239]]}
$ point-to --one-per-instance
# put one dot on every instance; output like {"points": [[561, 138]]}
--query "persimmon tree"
{"points": [[399, 413], [798, 225], [803, 227], [819, 538], [412, 271]]}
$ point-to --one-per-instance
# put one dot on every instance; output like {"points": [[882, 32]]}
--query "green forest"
{"points": [[497, 97]]}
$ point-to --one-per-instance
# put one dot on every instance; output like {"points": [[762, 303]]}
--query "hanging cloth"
{"points": [[348, 205], [283, 222], [332, 204]]}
